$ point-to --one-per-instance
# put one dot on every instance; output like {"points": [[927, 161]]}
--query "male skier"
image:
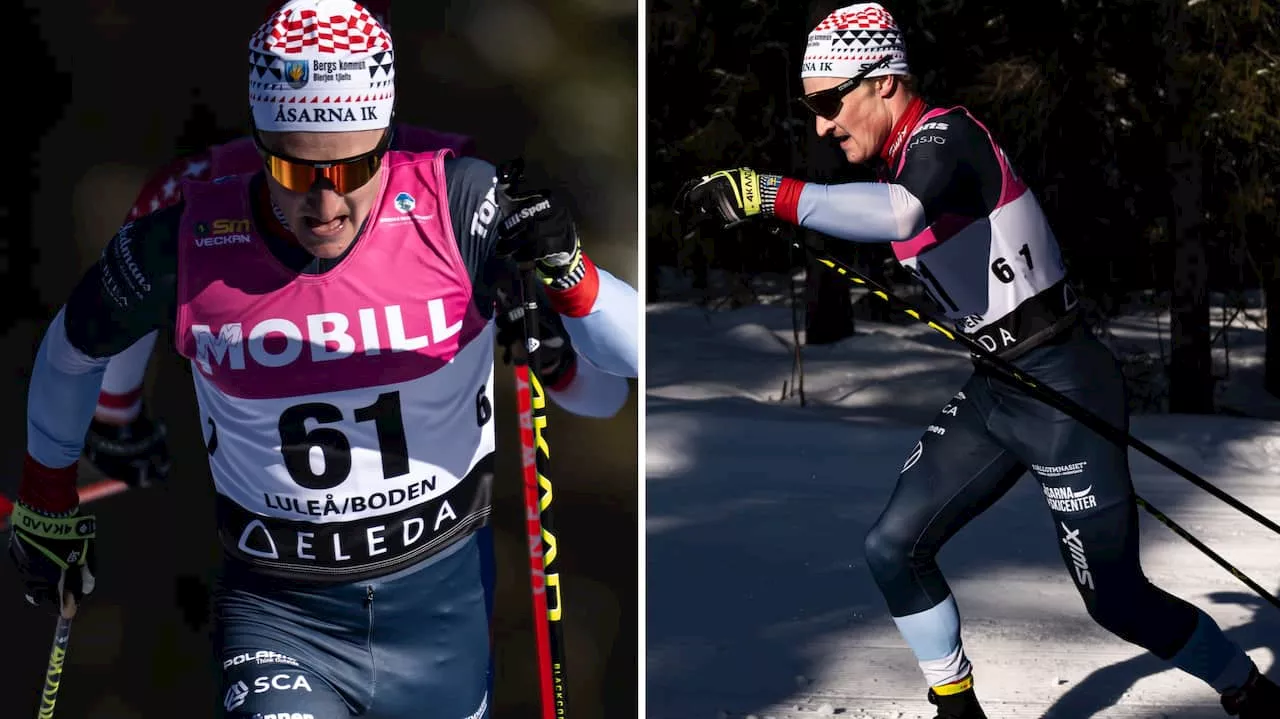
{"points": [[967, 227], [337, 311], [126, 444]]}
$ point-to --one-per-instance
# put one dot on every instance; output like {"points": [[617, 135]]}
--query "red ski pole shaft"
{"points": [[533, 525]]}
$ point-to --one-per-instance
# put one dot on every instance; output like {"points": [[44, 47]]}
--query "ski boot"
{"points": [[957, 701], [1259, 698]]}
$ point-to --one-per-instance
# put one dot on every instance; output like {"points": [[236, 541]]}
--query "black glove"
{"points": [[136, 453], [54, 554], [538, 228], [730, 197], [555, 356]]}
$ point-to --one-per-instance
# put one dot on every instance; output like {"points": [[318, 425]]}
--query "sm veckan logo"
{"points": [[221, 227], [222, 232]]}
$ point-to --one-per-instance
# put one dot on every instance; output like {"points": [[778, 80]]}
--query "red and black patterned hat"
{"points": [[852, 38], [321, 66]]}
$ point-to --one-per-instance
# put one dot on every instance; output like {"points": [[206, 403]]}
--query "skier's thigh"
{"points": [[1081, 472], [262, 684], [955, 471]]}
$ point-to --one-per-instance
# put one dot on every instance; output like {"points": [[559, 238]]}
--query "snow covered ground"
{"points": [[759, 602]]}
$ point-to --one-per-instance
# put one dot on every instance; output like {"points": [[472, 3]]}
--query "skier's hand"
{"points": [[729, 197], [555, 356], [136, 453], [539, 228], [55, 555]]}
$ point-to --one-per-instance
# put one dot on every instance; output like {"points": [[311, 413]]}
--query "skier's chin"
{"points": [[325, 246], [854, 152]]}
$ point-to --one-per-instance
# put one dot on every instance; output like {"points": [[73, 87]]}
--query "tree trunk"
{"points": [[828, 306], [1190, 370], [828, 315], [653, 290], [1187, 157], [1271, 293], [700, 267]]}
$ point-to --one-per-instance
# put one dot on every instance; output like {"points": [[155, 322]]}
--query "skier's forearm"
{"points": [[61, 398], [121, 397], [600, 314], [590, 391], [855, 211]]}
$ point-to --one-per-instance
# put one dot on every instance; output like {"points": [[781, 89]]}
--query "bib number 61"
{"points": [[300, 446]]}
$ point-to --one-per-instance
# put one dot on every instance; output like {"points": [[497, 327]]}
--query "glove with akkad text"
{"points": [[50, 542], [729, 197]]}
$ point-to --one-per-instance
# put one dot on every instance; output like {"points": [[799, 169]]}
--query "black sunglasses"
{"points": [[826, 103], [346, 175]]}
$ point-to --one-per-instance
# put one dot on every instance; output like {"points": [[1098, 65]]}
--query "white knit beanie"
{"points": [[321, 66], [852, 38]]}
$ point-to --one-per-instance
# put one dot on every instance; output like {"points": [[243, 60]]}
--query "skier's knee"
{"points": [[888, 552], [1123, 615], [1140, 613], [1109, 611]]}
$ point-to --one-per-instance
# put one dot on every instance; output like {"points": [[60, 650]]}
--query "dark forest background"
{"points": [[103, 92], [1148, 129]]}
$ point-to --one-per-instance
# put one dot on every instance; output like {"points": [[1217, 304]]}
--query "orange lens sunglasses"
{"points": [[346, 175]]}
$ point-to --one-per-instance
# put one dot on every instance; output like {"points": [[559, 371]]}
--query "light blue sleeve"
{"points": [[861, 211], [592, 393], [608, 336], [61, 398], [126, 370]]}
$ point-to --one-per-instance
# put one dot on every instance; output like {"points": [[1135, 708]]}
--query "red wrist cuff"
{"points": [[119, 401], [578, 300], [786, 204], [48, 489]]}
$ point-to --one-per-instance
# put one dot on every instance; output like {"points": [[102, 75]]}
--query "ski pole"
{"points": [[536, 459], [1046, 394], [100, 489], [1012, 375], [542, 463], [533, 528], [1178, 530], [53, 676], [538, 502]]}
